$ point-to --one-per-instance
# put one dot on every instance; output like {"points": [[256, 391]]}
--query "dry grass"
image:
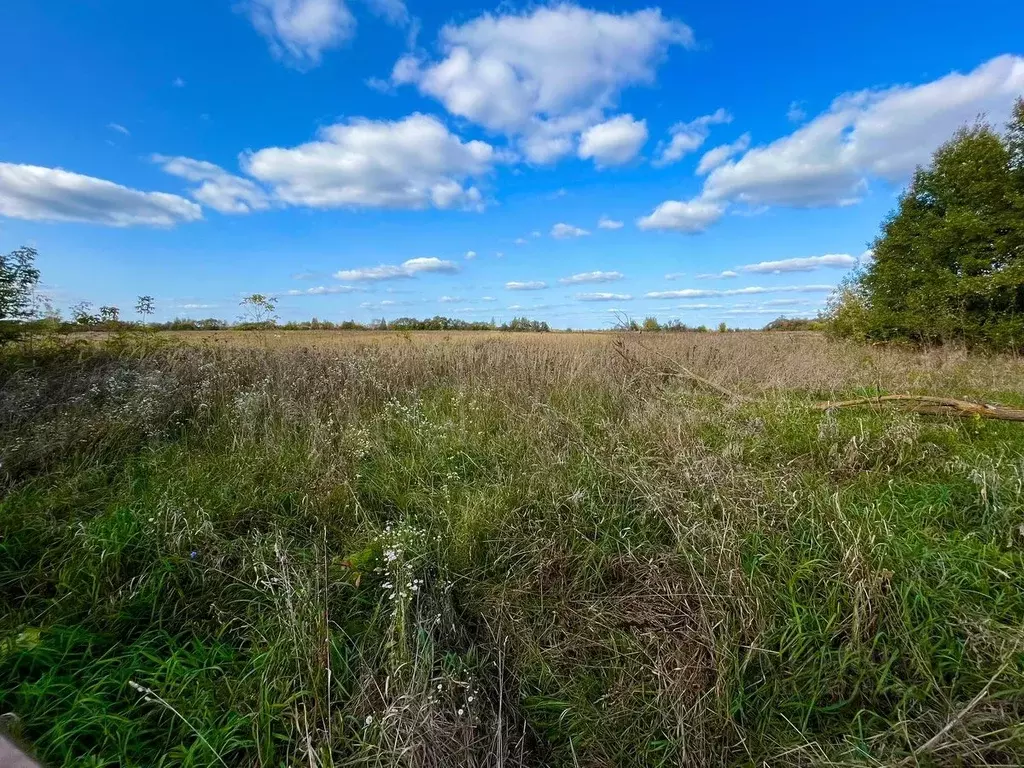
{"points": [[429, 549]]}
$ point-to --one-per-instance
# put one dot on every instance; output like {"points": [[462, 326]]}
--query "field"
{"points": [[487, 549]]}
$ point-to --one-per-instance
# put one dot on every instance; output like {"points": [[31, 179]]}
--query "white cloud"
{"points": [[487, 298], [449, 299], [218, 189], [605, 223], [688, 137], [410, 163], [690, 217], [763, 311], [715, 157], [716, 275], [603, 297], [796, 112], [119, 128], [545, 75], [394, 11], [700, 293], [808, 264], [675, 275], [685, 293], [178, 82], [535, 233], [530, 285], [470, 255], [520, 241], [409, 268], [561, 231], [322, 290], [614, 142], [870, 134], [299, 31], [40, 194], [591, 277]]}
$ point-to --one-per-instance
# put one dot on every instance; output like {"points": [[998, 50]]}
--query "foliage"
{"points": [[792, 324], [259, 309], [144, 306], [525, 324], [949, 263], [18, 280]]}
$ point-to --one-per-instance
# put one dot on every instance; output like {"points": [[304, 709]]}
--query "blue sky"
{"points": [[380, 158]]}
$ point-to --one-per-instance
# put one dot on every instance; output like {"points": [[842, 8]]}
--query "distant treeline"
{"points": [[85, 322], [82, 323]]}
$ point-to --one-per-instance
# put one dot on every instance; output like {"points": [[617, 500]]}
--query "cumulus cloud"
{"points": [[561, 231], [529, 285], [715, 157], [603, 297], [688, 137], [520, 241], [410, 268], [299, 31], [870, 134], [470, 255], [863, 136], [808, 264], [218, 189], [689, 216], [410, 163], [591, 277], [605, 223], [613, 142], [544, 75], [52, 194]]}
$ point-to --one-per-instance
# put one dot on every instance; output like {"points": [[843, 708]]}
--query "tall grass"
{"points": [[433, 549]]}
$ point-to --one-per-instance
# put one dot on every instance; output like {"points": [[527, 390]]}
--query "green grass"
{"points": [[361, 559]]}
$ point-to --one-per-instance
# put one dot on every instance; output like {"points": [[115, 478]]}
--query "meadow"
{"points": [[493, 549]]}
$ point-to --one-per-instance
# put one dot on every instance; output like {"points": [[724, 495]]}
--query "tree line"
{"points": [[24, 311]]}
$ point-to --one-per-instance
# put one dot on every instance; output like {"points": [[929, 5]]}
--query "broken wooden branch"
{"points": [[933, 405]]}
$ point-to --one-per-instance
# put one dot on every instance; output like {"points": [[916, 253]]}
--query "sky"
{"points": [[359, 159]]}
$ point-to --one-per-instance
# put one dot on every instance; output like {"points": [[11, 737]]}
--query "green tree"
{"points": [[110, 314], [949, 262], [259, 309], [82, 313], [18, 280], [144, 307], [651, 324]]}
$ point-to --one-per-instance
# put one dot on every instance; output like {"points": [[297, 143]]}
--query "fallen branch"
{"points": [[933, 405], [679, 371]]}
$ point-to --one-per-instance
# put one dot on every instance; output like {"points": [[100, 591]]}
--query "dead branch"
{"points": [[678, 371], [933, 405]]}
